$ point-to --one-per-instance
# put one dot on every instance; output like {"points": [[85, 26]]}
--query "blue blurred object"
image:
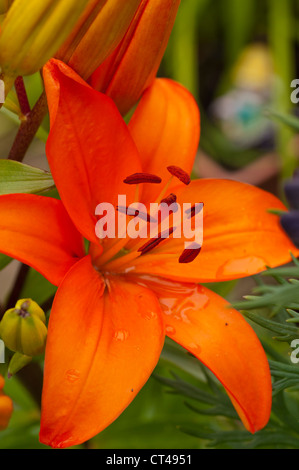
{"points": [[290, 223], [290, 220]]}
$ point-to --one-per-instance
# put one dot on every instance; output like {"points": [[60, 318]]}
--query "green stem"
{"points": [[282, 46], [22, 96], [32, 375], [28, 129], [181, 58]]}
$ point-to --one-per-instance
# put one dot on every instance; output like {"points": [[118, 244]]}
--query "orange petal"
{"points": [[240, 238], [204, 324], [38, 231], [165, 127], [104, 341], [90, 150], [6, 407], [132, 67], [52, 72], [101, 37]]}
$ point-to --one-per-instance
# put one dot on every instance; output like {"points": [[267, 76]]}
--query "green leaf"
{"points": [[4, 261], [16, 177], [286, 119], [286, 295], [242, 439], [285, 332]]}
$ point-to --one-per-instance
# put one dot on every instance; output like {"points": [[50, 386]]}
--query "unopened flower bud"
{"points": [[32, 308], [23, 328], [4, 6], [133, 65], [33, 31], [98, 32]]}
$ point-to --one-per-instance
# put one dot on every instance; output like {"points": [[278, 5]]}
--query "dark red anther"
{"points": [[153, 242], [135, 213], [138, 178], [189, 254], [179, 173], [171, 199], [194, 210], [127, 210]]}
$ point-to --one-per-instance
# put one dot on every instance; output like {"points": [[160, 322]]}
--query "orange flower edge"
{"points": [[6, 407]]}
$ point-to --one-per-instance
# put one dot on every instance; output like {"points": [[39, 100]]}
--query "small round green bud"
{"points": [[23, 328], [31, 307]]}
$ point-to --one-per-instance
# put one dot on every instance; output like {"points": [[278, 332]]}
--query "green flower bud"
{"points": [[4, 6], [33, 31], [23, 328], [32, 308]]}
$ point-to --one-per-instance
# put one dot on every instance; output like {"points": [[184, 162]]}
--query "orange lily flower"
{"points": [[133, 65], [114, 306], [6, 407], [98, 32]]}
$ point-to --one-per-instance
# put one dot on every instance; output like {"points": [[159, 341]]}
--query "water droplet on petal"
{"points": [[128, 270], [121, 335], [247, 266], [72, 375], [185, 302], [170, 330], [195, 348], [150, 315]]}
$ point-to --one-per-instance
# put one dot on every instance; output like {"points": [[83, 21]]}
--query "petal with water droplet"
{"points": [[222, 340], [100, 352], [240, 236]]}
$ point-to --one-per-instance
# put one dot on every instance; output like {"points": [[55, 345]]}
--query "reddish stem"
{"points": [[22, 96], [28, 129]]}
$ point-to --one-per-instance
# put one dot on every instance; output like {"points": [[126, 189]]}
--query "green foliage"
{"points": [[217, 425], [287, 119], [19, 178], [4, 261]]}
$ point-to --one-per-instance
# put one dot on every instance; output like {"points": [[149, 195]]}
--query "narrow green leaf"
{"points": [[288, 119], [16, 177], [286, 295], [285, 332]]}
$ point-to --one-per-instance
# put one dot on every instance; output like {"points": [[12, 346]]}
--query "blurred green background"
{"points": [[238, 58], [246, 52]]}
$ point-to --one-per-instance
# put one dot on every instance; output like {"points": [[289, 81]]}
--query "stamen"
{"points": [[189, 254], [169, 199], [179, 173], [123, 210], [136, 213], [196, 209], [138, 178], [153, 242], [171, 203]]}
